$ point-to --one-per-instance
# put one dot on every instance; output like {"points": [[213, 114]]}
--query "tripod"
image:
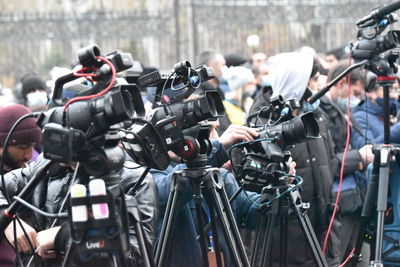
{"points": [[377, 189], [281, 208], [207, 181]]}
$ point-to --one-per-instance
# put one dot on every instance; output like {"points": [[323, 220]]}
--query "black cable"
{"points": [[41, 212]]}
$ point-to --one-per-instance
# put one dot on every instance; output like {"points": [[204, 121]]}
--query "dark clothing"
{"points": [[314, 163], [51, 191], [354, 180], [7, 253], [185, 247]]}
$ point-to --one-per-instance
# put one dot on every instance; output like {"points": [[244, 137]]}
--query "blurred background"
{"points": [[37, 35]]}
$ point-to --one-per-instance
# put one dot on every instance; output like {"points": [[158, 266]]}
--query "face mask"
{"points": [[342, 102], [307, 107], [37, 99]]}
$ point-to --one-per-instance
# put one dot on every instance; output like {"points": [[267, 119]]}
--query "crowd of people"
{"points": [[246, 86]]}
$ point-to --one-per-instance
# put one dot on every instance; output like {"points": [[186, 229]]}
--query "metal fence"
{"points": [[159, 33]]}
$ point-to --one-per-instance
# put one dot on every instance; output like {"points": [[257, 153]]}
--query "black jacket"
{"points": [[51, 191], [314, 163], [354, 180]]}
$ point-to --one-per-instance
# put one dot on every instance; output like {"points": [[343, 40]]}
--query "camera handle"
{"points": [[267, 221], [324, 90]]}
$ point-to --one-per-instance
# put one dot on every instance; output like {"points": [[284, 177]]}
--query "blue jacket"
{"points": [[369, 116], [185, 249]]}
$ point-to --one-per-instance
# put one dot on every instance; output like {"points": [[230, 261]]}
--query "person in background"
{"points": [[19, 151], [333, 56], [238, 101], [354, 180], [34, 92], [216, 61], [340, 93]]}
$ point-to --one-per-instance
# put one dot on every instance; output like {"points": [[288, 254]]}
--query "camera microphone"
{"points": [[380, 12]]}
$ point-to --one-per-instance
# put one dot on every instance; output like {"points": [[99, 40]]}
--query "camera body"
{"points": [[264, 161], [169, 122]]}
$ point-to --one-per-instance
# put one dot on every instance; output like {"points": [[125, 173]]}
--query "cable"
{"points": [[348, 258], [108, 88], [46, 214], [342, 166]]}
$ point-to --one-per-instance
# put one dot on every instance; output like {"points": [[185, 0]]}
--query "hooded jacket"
{"points": [[289, 75], [50, 193]]}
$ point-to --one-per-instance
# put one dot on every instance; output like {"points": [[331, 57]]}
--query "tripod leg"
{"points": [[258, 244], [267, 242], [173, 204], [366, 214], [216, 238], [68, 255], [133, 210], [198, 201], [307, 229], [382, 200], [215, 186], [283, 242]]}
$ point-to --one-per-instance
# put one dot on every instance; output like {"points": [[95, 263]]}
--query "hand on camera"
{"points": [[22, 242], [45, 240], [237, 133], [292, 166]]}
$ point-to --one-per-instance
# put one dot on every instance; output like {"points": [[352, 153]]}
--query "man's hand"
{"points": [[45, 240], [237, 133], [21, 241], [292, 166], [366, 154]]}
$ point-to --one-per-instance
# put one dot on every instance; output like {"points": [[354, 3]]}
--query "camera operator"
{"points": [[290, 74], [18, 153], [187, 251], [354, 179], [50, 239]]}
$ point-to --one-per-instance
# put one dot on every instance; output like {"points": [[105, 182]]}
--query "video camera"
{"points": [[166, 127], [263, 161], [381, 51], [72, 132]]}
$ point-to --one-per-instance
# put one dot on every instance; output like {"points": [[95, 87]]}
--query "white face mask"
{"points": [[37, 99]]}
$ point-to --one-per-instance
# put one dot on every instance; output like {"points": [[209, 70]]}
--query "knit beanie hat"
{"points": [[237, 77], [30, 83], [26, 132]]}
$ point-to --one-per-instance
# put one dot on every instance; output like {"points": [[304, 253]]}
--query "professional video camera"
{"points": [[85, 131], [263, 161], [167, 126], [73, 131]]}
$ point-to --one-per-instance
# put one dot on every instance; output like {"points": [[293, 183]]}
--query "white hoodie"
{"points": [[289, 74]]}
